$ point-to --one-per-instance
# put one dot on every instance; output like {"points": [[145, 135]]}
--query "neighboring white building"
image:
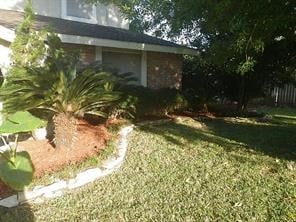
{"points": [[75, 10], [102, 34]]}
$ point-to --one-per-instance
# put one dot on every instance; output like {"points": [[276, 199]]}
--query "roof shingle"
{"points": [[10, 19]]}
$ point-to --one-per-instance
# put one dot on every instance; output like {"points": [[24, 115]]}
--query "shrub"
{"points": [[153, 102], [125, 108], [67, 95]]}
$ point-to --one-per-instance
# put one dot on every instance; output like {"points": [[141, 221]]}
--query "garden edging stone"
{"points": [[57, 189]]}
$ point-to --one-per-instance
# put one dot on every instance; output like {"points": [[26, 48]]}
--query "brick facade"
{"points": [[164, 70], [87, 53]]}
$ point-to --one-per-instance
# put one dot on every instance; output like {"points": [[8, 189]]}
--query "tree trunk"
{"points": [[242, 91], [65, 130]]}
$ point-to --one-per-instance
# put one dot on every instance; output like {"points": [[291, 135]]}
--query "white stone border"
{"points": [[57, 189]]}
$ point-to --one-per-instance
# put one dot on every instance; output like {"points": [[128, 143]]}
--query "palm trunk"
{"points": [[65, 130]]}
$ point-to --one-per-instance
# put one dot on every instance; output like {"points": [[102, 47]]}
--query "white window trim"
{"points": [[93, 18]]}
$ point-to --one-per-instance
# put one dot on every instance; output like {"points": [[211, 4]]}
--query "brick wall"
{"points": [[164, 70], [87, 53]]}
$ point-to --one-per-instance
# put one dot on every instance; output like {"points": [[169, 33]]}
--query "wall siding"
{"points": [[107, 15]]}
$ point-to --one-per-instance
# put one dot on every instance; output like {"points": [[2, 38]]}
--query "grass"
{"points": [[280, 115], [220, 170], [285, 111]]}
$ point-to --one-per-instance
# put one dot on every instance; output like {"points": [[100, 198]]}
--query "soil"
{"points": [[46, 158]]}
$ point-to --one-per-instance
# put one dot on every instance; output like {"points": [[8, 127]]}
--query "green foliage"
{"points": [[87, 92], [26, 40], [149, 102], [246, 66], [1, 78], [125, 108], [16, 169], [201, 82], [204, 82], [21, 122]]}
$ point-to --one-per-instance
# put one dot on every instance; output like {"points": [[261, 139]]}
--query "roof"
{"points": [[10, 19]]}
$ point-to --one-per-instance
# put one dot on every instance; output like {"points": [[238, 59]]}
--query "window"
{"points": [[78, 10]]}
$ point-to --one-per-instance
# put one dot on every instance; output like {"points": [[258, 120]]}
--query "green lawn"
{"points": [[228, 170], [287, 111]]}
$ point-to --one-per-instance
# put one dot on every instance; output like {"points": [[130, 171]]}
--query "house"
{"points": [[101, 34]]}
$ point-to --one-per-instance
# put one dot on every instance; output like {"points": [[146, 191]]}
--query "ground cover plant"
{"points": [[228, 169]]}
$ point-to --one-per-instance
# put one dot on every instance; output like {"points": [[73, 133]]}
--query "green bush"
{"points": [[125, 108], [153, 102], [196, 99]]}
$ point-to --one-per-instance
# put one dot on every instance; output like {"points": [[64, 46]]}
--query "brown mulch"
{"points": [[5, 190], [46, 159], [208, 115]]}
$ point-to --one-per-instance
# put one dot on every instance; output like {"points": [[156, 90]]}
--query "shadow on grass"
{"points": [[274, 140], [22, 213]]}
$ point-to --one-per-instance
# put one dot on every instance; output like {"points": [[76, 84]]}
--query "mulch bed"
{"points": [[90, 141]]}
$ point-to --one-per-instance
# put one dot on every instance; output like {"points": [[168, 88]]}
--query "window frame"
{"points": [[93, 18]]}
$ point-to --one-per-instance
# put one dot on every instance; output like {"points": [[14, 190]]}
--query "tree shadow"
{"points": [[273, 140], [21, 213]]}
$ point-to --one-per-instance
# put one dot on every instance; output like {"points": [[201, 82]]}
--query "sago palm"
{"points": [[66, 95]]}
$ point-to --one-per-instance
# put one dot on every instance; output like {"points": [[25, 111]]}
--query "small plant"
{"points": [[16, 167]]}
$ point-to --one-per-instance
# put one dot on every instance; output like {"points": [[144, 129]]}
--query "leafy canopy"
{"points": [[228, 31], [252, 41]]}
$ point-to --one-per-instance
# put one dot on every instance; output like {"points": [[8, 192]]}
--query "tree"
{"points": [[27, 39], [231, 34]]}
